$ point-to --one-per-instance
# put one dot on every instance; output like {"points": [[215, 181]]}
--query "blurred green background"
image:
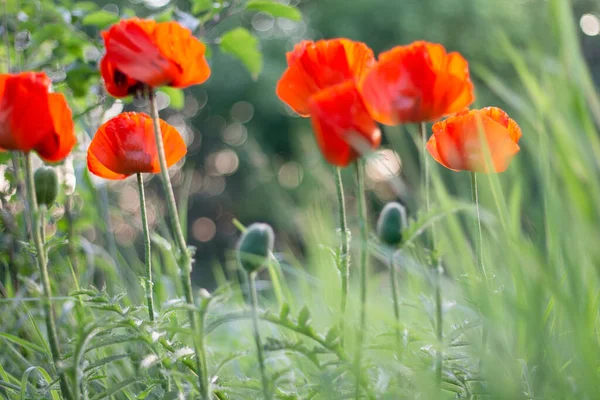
{"points": [[277, 165], [249, 157]]}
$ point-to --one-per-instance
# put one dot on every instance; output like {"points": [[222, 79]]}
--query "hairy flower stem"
{"points": [[185, 257], [364, 247], [344, 261], [426, 177], [479, 243], [394, 281], [42, 261], [479, 248], [147, 249], [439, 316], [259, 348]]}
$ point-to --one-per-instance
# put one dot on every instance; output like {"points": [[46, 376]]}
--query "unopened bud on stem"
{"points": [[46, 186], [254, 246], [392, 222]]}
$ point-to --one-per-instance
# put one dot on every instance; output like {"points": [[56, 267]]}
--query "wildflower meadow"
{"points": [[299, 199]]}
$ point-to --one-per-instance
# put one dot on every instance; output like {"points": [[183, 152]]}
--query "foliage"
{"points": [[538, 307]]}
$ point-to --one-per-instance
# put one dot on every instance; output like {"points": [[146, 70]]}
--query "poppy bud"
{"points": [[254, 246], [46, 185], [392, 222]]}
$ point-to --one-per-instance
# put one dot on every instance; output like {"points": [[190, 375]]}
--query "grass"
{"points": [[539, 305]]}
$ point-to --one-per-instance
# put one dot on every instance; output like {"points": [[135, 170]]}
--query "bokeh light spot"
{"points": [[204, 229], [235, 134], [242, 112], [590, 24], [385, 164], [226, 162], [290, 175]]}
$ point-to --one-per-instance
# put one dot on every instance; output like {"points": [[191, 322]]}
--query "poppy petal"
{"points": [[433, 151], [132, 51], [177, 43], [343, 127], [314, 66], [24, 117], [417, 83], [59, 143], [125, 145], [99, 169], [117, 83], [175, 148], [400, 87], [460, 146], [503, 119]]}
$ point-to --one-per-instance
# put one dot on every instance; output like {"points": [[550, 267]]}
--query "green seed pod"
{"points": [[254, 246], [46, 186], [392, 222]]}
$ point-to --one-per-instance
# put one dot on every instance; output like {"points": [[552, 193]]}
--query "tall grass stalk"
{"points": [[436, 261], [259, 348], [147, 248], [42, 262], [344, 257], [394, 283], [363, 259], [185, 257]]}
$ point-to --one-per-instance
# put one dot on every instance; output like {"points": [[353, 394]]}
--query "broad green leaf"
{"points": [[176, 95], [199, 6], [100, 19], [241, 44], [275, 9]]}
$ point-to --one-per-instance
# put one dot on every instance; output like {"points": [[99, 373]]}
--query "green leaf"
{"points": [[100, 19], [275, 9], [177, 97], [84, 6], [241, 44], [304, 317], [165, 15], [23, 343], [199, 6]]}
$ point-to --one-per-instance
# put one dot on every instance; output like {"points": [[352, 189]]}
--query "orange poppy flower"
{"points": [[31, 118], [417, 83], [144, 52], [314, 66], [457, 145], [342, 125], [125, 145]]}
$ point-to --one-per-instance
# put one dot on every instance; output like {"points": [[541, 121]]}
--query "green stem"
{"points": [[71, 248], [42, 211], [147, 248], [344, 262], [439, 325], [41, 259], [426, 177], [479, 252], [439, 316], [259, 348], [394, 281], [185, 257], [479, 242], [364, 237]]}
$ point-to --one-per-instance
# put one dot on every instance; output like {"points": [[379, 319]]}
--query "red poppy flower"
{"points": [[31, 118], [314, 66], [342, 125], [125, 145], [457, 145], [153, 53], [417, 83]]}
